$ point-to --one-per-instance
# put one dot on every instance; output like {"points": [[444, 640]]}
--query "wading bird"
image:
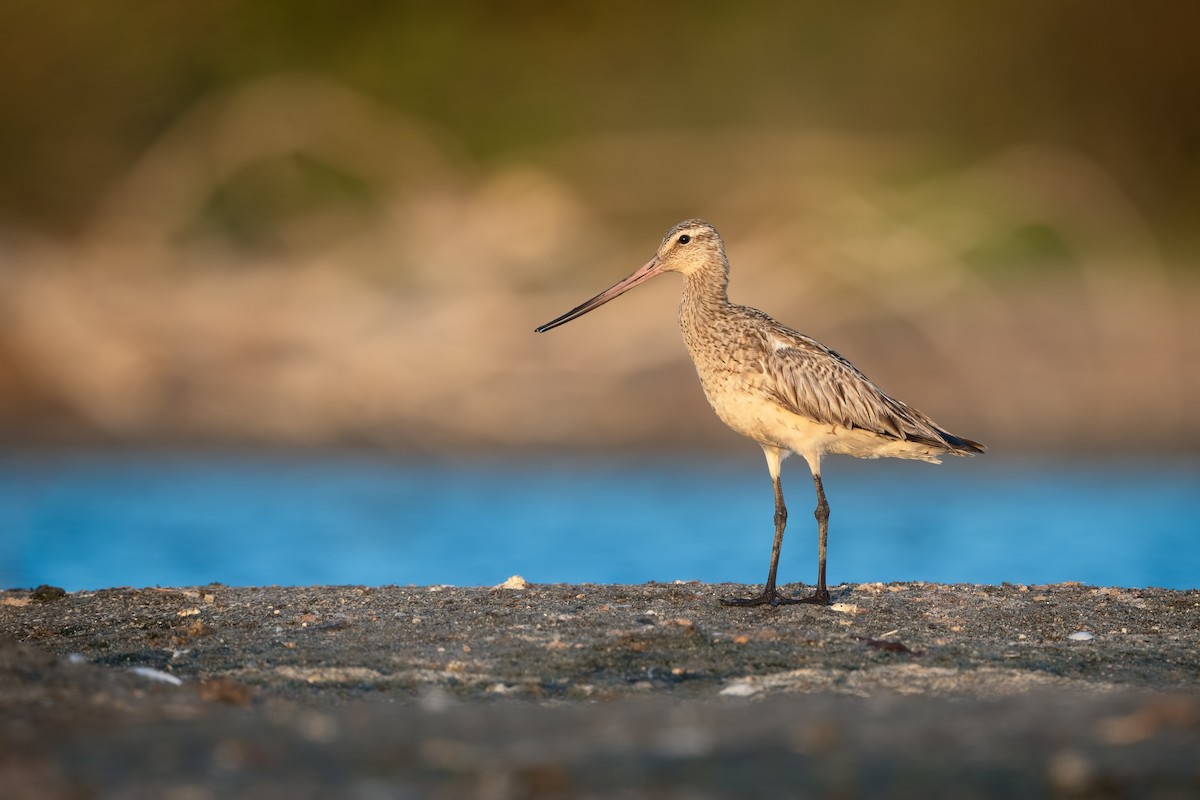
{"points": [[784, 390]]}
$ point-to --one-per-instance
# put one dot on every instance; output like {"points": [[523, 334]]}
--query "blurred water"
{"points": [[96, 520]]}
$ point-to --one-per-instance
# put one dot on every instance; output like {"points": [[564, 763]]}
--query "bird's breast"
{"points": [[735, 385]]}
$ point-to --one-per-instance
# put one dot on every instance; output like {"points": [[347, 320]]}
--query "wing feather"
{"points": [[809, 379]]}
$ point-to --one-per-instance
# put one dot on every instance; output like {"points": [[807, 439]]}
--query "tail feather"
{"points": [[960, 445]]}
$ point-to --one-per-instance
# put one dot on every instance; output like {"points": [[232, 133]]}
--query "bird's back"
{"points": [[784, 389]]}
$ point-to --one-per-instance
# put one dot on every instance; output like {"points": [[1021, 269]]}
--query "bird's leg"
{"points": [[821, 595], [769, 594]]}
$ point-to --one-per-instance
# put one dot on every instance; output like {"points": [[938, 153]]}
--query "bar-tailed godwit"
{"points": [[784, 390]]}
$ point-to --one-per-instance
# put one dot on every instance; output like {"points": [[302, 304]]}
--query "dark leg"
{"points": [[769, 595], [821, 595]]}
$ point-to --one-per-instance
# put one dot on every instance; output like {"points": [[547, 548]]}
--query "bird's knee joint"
{"points": [[781, 517], [822, 513]]}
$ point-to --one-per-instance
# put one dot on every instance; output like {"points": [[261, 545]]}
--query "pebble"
{"points": [[515, 582], [156, 675], [1081, 636]]}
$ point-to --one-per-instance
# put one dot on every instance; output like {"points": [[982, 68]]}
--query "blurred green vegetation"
{"points": [[1020, 252], [86, 87], [320, 223], [249, 207]]}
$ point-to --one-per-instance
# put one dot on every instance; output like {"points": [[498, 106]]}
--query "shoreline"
{"points": [[1034, 689]]}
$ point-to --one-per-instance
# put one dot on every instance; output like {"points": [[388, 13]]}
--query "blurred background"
{"points": [[317, 227]]}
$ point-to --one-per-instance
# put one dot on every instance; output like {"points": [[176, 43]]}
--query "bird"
{"points": [[778, 387]]}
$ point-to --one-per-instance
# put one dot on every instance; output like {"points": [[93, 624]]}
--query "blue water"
{"points": [[94, 520]]}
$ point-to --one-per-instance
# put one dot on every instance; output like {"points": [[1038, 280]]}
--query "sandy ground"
{"points": [[899, 690]]}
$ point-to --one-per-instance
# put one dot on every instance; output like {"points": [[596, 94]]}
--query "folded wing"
{"points": [[809, 379]]}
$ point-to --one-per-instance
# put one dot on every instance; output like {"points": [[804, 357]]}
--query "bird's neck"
{"points": [[705, 294]]}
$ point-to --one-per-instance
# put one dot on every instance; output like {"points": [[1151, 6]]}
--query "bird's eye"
{"points": [[684, 239]]}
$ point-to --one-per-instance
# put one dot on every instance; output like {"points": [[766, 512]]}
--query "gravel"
{"points": [[599, 691]]}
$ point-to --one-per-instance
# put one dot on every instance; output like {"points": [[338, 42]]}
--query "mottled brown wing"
{"points": [[813, 381]]}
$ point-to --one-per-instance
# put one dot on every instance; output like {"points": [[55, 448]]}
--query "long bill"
{"points": [[645, 273]]}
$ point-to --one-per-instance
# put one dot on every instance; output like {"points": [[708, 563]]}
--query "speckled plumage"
{"points": [[784, 390]]}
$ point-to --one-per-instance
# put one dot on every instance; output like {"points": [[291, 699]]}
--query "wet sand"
{"points": [[599, 691]]}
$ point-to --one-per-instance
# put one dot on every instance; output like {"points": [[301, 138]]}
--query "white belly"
{"points": [[757, 417]]}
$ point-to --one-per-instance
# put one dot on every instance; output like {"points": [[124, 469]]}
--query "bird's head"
{"points": [[691, 247]]}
